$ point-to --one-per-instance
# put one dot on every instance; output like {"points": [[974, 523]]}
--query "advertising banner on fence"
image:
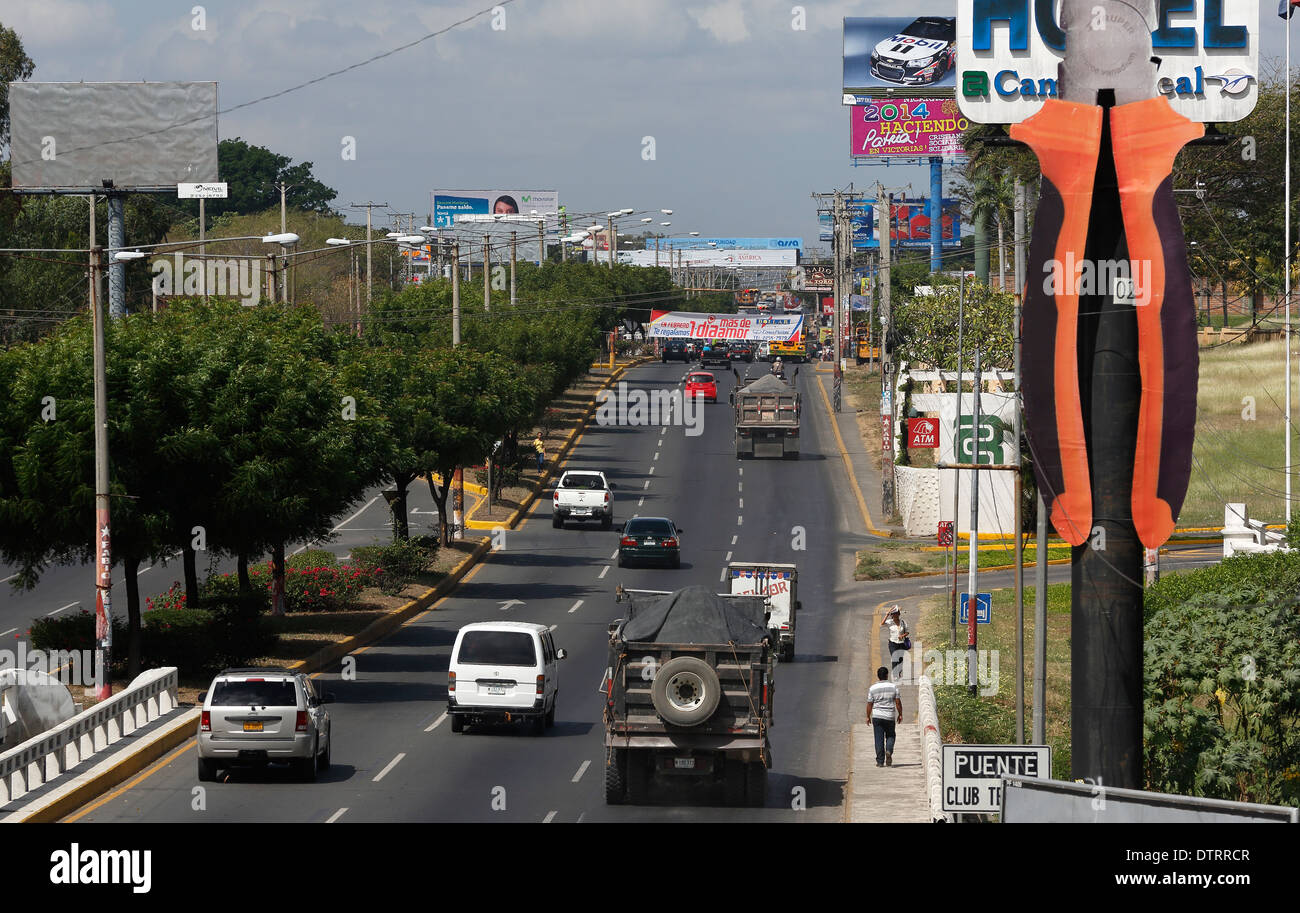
{"points": [[1208, 53], [715, 258], [728, 243], [887, 55], [689, 325], [931, 126], [448, 204]]}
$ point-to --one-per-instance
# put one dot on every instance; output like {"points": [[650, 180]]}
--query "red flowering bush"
{"points": [[174, 598]]}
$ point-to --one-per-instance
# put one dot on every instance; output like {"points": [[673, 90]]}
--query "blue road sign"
{"points": [[983, 609]]}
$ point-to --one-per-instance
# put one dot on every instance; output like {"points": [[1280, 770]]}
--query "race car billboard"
{"points": [[910, 228], [900, 57], [448, 205], [690, 325]]}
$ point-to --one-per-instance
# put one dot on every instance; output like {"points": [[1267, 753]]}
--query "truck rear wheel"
{"points": [[616, 777], [755, 784], [686, 691]]}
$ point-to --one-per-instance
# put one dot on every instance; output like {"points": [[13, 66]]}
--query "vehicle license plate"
{"points": [[684, 763], [648, 542], [581, 511], [252, 727], [496, 689]]}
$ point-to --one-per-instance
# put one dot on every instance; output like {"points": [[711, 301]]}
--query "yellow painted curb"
{"points": [[394, 619], [181, 730], [848, 467]]}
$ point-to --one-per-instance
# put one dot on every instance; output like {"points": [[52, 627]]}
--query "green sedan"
{"points": [[650, 539]]}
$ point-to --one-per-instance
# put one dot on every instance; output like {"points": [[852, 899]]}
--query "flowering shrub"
{"points": [[174, 598]]}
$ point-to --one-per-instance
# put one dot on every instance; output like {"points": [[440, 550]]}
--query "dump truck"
{"points": [[779, 583], [767, 419], [688, 694]]}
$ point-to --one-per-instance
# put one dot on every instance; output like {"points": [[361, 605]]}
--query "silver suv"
{"points": [[252, 717]]}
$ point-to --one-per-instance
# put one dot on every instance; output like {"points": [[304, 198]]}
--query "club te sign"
{"points": [[1008, 52]]}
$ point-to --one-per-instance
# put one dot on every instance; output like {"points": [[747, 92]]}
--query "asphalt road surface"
{"points": [[394, 755]]}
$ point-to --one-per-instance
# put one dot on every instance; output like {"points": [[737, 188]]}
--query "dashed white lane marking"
{"points": [[733, 539], [742, 503], [646, 485], [742, 469], [656, 454], [391, 764], [640, 503], [7, 633], [549, 816], [652, 471], [576, 605], [613, 556], [580, 817], [603, 571], [740, 486], [341, 525], [552, 627], [57, 611], [722, 576], [581, 770], [434, 725], [740, 520], [336, 816], [728, 558], [7, 579]]}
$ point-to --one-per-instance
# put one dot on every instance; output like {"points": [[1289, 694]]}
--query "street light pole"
{"points": [[612, 241], [487, 274], [103, 550], [514, 240]]}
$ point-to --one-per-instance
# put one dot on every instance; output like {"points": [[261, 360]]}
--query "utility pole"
{"points": [[1018, 243], [487, 274], [368, 207], [956, 450], [887, 366], [455, 293], [514, 240], [564, 233], [837, 251], [103, 549], [973, 564], [541, 242], [612, 242]]}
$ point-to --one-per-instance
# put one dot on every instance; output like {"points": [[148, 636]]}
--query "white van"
{"points": [[503, 671]]}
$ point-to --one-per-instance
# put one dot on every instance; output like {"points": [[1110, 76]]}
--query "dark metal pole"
{"points": [[1106, 574]]}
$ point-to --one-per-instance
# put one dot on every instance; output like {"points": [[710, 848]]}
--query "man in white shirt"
{"points": [[884, 710]]}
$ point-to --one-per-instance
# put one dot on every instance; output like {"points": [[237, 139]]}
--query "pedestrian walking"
{"points": [[884, 710], [900, 640], [541, 452]]}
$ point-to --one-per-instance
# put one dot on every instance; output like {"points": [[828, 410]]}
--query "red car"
{"points": [[702, 383]]}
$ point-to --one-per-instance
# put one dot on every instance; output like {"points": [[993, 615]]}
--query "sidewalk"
{"points": [[874, 794]]}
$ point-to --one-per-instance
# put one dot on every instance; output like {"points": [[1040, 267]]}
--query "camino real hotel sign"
{"points": [[1008, 52]]}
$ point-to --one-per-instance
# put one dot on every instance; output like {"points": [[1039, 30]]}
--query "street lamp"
{"points": [[284, 239]]}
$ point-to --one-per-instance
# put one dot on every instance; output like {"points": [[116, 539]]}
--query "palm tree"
{"points": [[992, 197]]}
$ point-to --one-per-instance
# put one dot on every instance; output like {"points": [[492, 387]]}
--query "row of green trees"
{"points": [[235, 430]]}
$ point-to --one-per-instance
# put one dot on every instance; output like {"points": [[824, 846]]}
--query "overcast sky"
{"points": [[745, 110]]}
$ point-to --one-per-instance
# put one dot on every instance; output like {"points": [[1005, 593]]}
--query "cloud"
{"points": [[725, 21]]}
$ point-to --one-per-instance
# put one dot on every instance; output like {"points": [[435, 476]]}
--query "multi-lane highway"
{"points": [[396, 759]]}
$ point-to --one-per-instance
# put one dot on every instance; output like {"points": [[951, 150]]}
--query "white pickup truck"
{"points": [[583, 494], [779, 583]]}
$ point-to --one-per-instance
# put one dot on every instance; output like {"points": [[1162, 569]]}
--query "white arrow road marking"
{"points": [[391, 764], [575, 607], [603, 571], [434, 725], [507, 604], [581, 770], [336, 816]]}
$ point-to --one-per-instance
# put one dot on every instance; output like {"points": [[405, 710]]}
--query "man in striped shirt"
{"points": [[884, 710]]}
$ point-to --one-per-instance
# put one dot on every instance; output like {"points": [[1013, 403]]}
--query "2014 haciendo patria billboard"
{"points": [[1008, 52]]}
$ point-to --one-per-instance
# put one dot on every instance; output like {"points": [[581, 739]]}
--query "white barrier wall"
{"points": [[37, 761]]}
